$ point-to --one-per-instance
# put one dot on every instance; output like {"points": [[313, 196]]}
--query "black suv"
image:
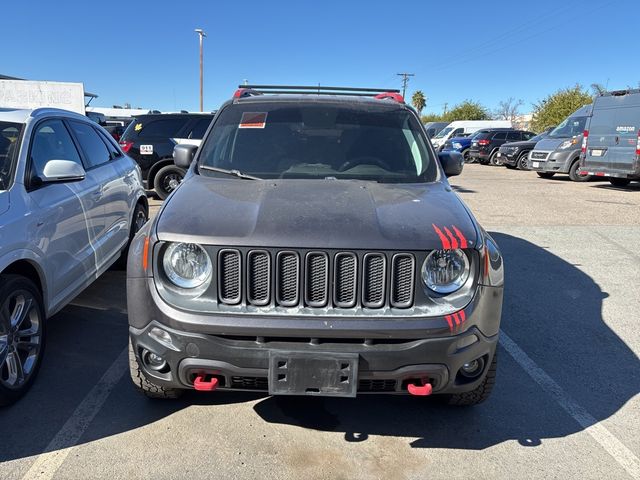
{"points": [[516, 154], [150, 139], [484, 147], [315, 247]]}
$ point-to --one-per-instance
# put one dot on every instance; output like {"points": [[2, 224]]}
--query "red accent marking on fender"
{"points": [[463, 317], [445, 241], [448, 318], [456, 319], [463, 241], [420, 390], [454, 240]]}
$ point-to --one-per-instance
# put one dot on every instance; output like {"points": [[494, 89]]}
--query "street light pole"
{"points": [[201, 33]]}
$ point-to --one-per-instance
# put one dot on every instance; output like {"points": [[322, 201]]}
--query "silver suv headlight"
{"points": [[187, 265], [445, 271]]}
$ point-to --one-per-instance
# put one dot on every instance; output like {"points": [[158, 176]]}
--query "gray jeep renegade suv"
{"points": [[315, 247]]}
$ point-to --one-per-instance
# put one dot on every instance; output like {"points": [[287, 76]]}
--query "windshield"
{"points": [[444, 132], [570, 127], [310, 141], [9, 135], [538, 137]]}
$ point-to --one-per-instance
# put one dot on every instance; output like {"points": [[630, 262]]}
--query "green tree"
{"points": [[419, 101], [467, 110], [551, 110], [431, 117]]}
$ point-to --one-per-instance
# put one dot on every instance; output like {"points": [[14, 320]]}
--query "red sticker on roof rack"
{"points": [[253, 120]]}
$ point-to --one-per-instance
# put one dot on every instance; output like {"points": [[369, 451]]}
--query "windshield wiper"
{"points": [[233, 173]]}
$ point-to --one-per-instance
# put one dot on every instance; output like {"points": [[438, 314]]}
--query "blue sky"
{"points": [[146, 52]]}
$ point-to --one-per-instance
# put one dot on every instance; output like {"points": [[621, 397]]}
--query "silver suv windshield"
{"points": [[9, 136], [303, 140], [570, 127]]}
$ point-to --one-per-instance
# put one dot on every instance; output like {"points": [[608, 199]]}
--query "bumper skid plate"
{"points": [[303, 373]]}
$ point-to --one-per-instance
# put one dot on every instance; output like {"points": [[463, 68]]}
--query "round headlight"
{"points": [[187, 265], [445, 271]]}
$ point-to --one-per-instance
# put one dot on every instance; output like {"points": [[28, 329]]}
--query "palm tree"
{"points": [[419, 101]]}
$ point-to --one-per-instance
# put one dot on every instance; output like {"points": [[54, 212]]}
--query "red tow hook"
{"points": [[203, 385], [420, 390]]}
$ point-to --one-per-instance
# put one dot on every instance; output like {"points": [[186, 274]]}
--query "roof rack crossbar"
{"points": [[318, 89]]}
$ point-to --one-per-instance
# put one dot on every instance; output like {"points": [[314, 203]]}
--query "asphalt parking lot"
{"points": [[566, 403]]}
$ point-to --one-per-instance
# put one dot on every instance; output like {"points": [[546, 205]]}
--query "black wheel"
{"points": [[143, 385], [21, 336], [466, 157], [140, 217], [167, 180], [523, 161], [494, 160], [619, 182], [546, 174], [481, 392], [574, 173]]}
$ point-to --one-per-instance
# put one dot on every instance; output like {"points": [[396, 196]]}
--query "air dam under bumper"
{"points": [[383, 365]]}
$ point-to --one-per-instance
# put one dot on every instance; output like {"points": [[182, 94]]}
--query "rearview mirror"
{"points": [[183, 155], [452, 163], [62, 171]]}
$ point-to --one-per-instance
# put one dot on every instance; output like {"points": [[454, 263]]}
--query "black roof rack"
{"points": [[313, 90]]}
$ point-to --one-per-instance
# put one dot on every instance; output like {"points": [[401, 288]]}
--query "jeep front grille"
{"points": [[316, 279]]}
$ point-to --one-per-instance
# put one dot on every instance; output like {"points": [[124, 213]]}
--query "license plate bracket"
{"points": [[322, 374]]}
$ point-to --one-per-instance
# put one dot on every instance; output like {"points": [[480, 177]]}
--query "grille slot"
{"points": [[229, 275], [250, 383], [402, 280], [345, 280], [373, 280], [288, 279], [317, 279], [258, 277], [376, 385]]}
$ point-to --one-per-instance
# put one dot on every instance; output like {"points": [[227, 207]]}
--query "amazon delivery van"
{"points": [[464, 128]]}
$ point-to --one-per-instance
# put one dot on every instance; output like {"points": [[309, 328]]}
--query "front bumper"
{"points": [[557, 161], [510, 159], [236, 349]]}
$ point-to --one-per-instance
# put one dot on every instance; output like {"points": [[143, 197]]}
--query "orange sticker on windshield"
{"points": [[253, 120]]}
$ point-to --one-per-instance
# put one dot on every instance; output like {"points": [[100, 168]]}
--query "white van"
{"points": [[465, 128]]}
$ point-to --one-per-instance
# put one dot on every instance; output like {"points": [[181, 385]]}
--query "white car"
{"points": [[70, 202]]}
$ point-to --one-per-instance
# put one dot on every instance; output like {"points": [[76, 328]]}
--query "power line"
{"points": [[405, 81]]}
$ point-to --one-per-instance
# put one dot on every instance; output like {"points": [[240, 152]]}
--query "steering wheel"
{"points": [[365, 160]]}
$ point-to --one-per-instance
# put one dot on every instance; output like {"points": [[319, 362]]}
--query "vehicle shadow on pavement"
{"points": [[552, 310]]}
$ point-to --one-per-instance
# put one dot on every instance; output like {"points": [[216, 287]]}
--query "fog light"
{"points": [[153, 360], [473, 368]]}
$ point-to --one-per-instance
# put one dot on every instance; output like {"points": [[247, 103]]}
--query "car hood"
{"points": [[521, 144], [337, 214], [551, 144], [4, 201]]}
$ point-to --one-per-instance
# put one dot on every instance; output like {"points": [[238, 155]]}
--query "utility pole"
{"points": [[201, 34], [405, 81], [445, 107]]}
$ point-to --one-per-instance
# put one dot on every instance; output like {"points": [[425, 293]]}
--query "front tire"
{"points": [[574, 173], [619, 182], [22, 335], [143, 385], [466, 157], [493, 160], [523, 161], [167, 180], [481, 392]]}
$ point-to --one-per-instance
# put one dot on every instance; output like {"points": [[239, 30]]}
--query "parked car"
{"points": [[463, 143], [560, 151], [611, 145], [433, 128], [516, 154], [455, 129], [150, 139], [70, 202], [116, 131], [315, 247], [484, 147]]}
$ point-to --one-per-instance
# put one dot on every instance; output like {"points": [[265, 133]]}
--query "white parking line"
{"points": [[47, 464], [625, 457]]}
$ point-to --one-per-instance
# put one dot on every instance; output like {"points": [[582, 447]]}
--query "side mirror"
{"points": [[62, 171], [183, 155], [452, 163]]}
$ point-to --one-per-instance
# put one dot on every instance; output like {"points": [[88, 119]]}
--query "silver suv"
{"points": [[70, 202]]}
